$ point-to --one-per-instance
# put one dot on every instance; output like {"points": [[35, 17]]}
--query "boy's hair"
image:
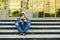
{"points": [[21, 14]]}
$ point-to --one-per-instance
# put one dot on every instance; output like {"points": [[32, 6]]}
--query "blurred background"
{"points": [[33, 8]]}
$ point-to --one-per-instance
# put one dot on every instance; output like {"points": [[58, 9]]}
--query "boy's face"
{"points": [[22, 17]]}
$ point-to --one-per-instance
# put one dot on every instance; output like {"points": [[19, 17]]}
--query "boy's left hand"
{"points": [[25, 20]]}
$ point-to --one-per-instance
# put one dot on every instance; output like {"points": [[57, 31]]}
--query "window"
{"points": [[2, 4], [14, 8], [49, 8], [57, 8]]}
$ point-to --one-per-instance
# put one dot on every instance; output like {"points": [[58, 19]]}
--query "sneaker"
{"points": [[23, 33]]}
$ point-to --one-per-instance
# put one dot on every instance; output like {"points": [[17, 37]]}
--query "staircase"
{"points": [[39, 29]]}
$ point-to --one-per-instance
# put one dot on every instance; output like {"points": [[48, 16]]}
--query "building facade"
{"points": [[33, 8]]}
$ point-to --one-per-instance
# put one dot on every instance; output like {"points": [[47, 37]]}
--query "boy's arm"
{"points": [[29, 22], [17, 21]]}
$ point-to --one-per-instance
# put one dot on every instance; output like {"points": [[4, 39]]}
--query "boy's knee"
{"points": [[17, 24]]}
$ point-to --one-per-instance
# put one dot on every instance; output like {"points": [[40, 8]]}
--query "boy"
{"points": [[22, 23]]}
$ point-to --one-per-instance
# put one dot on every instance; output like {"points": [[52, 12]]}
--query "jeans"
{"points": [[23, 27]]}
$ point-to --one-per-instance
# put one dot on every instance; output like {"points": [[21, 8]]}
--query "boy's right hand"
{"points": [[20, 20]]}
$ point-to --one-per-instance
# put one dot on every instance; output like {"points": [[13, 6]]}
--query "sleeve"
{"points": [[17, 21], [29, 21]]}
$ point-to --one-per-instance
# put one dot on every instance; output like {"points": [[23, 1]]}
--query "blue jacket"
{"points": [[18, 20]]}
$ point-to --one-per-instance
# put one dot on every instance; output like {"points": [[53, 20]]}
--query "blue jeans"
{"points": [[23, 28]]}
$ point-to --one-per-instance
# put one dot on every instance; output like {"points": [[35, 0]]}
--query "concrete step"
{"points": [[32, 22], [31, 36], [32, 26], [31, 30], [36, 20]]}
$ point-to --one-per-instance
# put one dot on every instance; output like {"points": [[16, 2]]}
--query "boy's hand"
{"points": [[25, 20], [20, 20]]}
